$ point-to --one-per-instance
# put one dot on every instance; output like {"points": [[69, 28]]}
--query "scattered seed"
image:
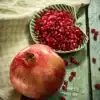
{"points": [[66, 62], [95, 37], [64, 88], [94, 60], [96, 33], [73, 60], [73, 74], [66, 83], [62, 98], [97, 86], [70, 78], [93, 30]]}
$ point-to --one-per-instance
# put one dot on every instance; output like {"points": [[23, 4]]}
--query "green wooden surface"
{"points": [[94, 22], [77, 89]]}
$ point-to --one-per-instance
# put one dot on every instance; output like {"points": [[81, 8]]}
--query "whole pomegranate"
{"points": [[37, 71]]}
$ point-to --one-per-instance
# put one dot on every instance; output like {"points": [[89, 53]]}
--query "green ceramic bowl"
{"points": [[58, 7]]}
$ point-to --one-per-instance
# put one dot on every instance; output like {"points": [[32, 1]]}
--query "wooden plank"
{"points": [[94, 22], [77, 89]]}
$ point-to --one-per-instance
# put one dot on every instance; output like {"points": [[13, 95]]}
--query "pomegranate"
{"points": [[37, 71], [57, 29]]}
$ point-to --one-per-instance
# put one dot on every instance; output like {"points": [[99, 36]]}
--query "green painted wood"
{"points": [[94, 22], [77, 89]]}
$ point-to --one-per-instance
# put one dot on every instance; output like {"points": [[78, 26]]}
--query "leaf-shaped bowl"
{"points": [[57, 7]]}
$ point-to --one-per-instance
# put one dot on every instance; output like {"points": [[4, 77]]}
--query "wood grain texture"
{"points": [[77, 89], [94, 22]]}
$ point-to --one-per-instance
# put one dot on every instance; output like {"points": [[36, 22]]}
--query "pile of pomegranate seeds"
{"points": [[57, 29], [73, 60], [94, 60], [97, 86]]}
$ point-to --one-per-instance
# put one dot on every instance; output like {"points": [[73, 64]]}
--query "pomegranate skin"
{"points": [[37, 71]]}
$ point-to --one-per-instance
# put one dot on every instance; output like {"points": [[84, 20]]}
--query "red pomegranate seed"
{"points": [[56, 29], [95, 37], [73, 74], [64, 88], [94, 60], [62, 98], [70, 78], [97, 86], [72, 60], [66, 62], [96, 33], [93, 30], [66, 83]]}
